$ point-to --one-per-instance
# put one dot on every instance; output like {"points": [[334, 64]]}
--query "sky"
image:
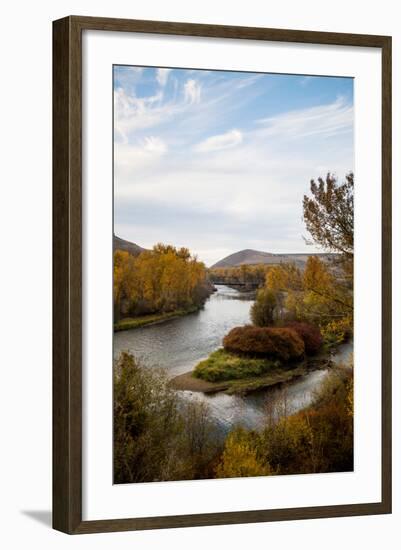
{"points": [[219, 161]]}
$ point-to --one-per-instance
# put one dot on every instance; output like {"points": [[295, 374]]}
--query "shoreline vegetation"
{"points": [[151, 286], [159, 435], [275, 377], [129, 323]]}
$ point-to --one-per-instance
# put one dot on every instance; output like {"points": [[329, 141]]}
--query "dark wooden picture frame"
{"points": [[67, 274]]}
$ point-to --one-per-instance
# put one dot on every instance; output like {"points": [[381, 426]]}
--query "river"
{"points": [[179, 344]]}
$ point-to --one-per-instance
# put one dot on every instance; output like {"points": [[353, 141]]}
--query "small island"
{"points": [[255, 358]]}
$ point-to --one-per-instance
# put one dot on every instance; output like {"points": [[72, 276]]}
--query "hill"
{"points": [[122, 244], [251, 257]]}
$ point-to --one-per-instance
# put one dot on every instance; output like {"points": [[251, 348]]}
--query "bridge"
{"points": [[236, 283]]}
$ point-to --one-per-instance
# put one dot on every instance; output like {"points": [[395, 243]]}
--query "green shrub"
{"points": [[277, 343], [263, 309], [221, 365]]}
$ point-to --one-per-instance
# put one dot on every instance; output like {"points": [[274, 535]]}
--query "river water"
{"points": [[179, 344]]}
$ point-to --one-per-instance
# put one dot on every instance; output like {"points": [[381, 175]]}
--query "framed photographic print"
{"points": [[222, 274]]}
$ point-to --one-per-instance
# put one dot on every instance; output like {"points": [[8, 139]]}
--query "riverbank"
{"points": [[154, 319], [179, 345], [275, 378]]}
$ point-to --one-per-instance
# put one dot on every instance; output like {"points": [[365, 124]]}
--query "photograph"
{"points": [[233, 274]]}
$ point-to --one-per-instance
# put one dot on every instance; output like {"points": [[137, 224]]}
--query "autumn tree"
{"points": [[329, 214], [316, 294], [284, 277], [285, 281], [156, 281], [321, 282], [124, 282]]}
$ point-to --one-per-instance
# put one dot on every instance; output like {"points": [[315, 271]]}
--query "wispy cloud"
{"points": [[162, 76], [133, 113], [222, 141], [192, 91], [249, 80], [330, 119]]}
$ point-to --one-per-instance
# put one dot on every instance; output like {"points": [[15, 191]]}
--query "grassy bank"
{"points": [[188, 382], [225, 372], [136, 322], [222, 365]]}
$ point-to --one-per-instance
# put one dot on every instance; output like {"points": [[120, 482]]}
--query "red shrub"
{"points": [[279, 343], [310, 335]]}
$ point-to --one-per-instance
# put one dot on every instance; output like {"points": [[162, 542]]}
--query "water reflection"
{"points": [[179, 344]]}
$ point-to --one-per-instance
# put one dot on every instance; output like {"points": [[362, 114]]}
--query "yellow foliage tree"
{"points": [[284, 277], [317, 294], [240, 457], [160, 280]]}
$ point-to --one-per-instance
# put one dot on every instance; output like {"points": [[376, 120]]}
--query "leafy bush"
{"points": [[278, 343], [240, 457], [221, 365], [317, 439], [310, 335], [263, 309], [157, 435], [338, 331]]}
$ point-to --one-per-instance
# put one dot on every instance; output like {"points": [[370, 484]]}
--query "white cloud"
{"points": [[252, 177], [162, 76], [222, 141], [128, 77], [134, 113], [154, 144], [131, 69], [133, 161], [331, 119], [192, 91]]}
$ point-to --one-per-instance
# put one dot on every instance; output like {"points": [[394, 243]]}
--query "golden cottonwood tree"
{"points": [[160, 280], [316, 294]]}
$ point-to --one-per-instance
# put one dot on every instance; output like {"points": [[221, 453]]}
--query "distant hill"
{"points": [[127, 246], [249, 257]]}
